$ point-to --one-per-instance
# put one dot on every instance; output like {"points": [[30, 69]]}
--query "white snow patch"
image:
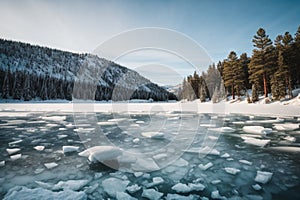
{"points": [[196, 186], [136, 140], [263, 177], [225, 155]]}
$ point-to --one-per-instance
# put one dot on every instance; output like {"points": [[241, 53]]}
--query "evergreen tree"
{"points": [[262, 60], [230, 68]]}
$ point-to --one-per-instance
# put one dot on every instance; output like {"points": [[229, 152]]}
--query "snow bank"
{"points": [[24, 193]]}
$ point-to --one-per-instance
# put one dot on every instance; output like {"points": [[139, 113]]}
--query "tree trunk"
{"points": [[232, 91], [290, 88], [265, 84]]}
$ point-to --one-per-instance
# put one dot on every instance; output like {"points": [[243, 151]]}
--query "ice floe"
{"points": [[69, 149], [21, 192], [181, 197], [152, 194], [64, 185], [133, 188], [136, 140], [256, 142], [13, 151], [286, 126], [101, 153], [206, 166], [113, 185], [50, 165], [231, 170], [124, 196], [257, 130], [55, 118], [2, 163], [263, 177], [39, 148], [16, 157], [181, 188], [288, 149], [246, 162], [153, 135], [222, 129], [256, 187], [216, 195], [145, 164]]}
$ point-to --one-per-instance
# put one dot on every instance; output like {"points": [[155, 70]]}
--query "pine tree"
{"points": [[262, 60], [244, 62], [230, 68]]}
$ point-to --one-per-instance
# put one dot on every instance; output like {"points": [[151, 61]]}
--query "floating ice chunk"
{"points": [[256, 187], [50, 165], [160, 156], [124, 196], [55, 118], [238, 122], [15, 157], [212, 137], [286, 149], [62, 136], [290, 138], [181, 197], [138, 174], [38, 170], [216, 195], [13, 151], [133, 188], [205, 150], [152, 194], [136, 140], [139, 122], [268, 121], [62, 129], [181, 188], [155, 181], [205, 167], [225, 155], [223, 129], [101, 153], [113, 185], [91, 189], [180, 163], [117, 119], [246, 162], [109, 123], [263, 177], [39, 148], [256, 142], [21, 192], [257, 130], [2, 163], [253, 197], [196, 186], [14, 142], [231, 170], [214, 182], [69, 149], [145, 164], [47, 186], [98, 175], [286, 126], [70, 185], [153, 135]]}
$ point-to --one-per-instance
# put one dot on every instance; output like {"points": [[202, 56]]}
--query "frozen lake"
{"points": [[171, 155]]}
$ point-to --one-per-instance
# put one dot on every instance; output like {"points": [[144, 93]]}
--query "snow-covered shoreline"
{"points": [[273, 109]]}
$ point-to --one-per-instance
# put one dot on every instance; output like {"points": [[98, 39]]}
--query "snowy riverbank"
{"points": [[288, 108]]}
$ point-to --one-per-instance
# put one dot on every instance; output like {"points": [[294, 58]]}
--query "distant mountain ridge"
{"points": [[33, 72]]}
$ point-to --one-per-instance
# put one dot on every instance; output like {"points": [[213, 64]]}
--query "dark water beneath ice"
{"points": [[182, 134]]}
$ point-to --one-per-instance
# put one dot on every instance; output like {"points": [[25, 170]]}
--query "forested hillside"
{"points": [[32, 72], [273, 68]]}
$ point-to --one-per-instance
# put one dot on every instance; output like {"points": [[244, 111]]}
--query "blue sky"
{"points": [[219, 26]]}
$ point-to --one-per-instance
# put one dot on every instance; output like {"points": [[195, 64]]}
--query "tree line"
{"points": [[273, 68]]}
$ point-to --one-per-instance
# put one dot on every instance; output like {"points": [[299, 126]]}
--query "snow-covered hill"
{"points": [[33, 72]]}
